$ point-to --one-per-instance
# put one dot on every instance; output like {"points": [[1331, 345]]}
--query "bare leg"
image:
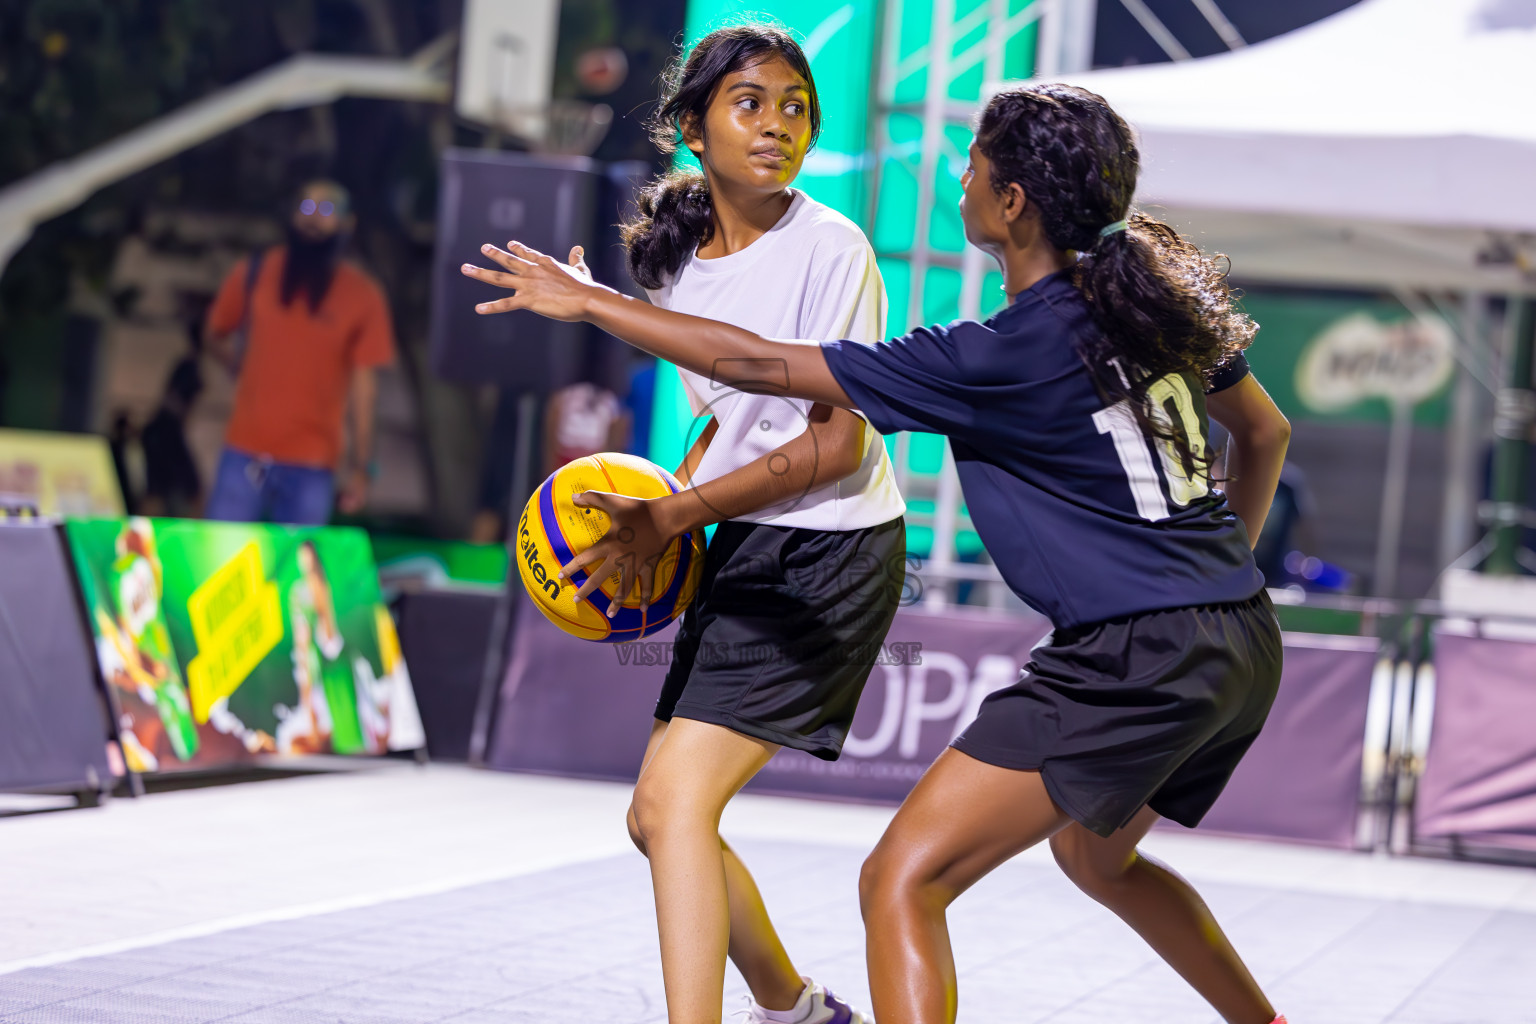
{"points": [[964, 818], [1165, 911], [706, 902], [755, 947]]}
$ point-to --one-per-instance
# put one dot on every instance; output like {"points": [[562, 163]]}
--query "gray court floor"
{"points": [[442, 893], [578, 942]]}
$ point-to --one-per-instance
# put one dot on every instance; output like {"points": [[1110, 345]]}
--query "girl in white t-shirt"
{"points": [[806, 567]]}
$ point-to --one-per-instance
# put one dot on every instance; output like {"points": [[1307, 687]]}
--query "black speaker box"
{"points": [[443, 637], [551, 204]]}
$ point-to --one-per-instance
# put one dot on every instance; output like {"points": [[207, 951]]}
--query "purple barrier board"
{"points": [[1300, 780], [941, 667], [573, 707], [1479, 780], [570, 707]]}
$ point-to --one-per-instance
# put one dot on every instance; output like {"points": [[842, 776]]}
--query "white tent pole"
{"points": [[1480, 348], [301, 81], [1468, 351], [1394, 495], [1156, 29], [1464, 441], [1065, 41], [1218, 21]]}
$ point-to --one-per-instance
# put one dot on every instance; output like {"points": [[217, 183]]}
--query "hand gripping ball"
{"points": [[552, 531]]}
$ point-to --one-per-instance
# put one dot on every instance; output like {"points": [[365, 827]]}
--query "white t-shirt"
{"points": [[812, 275]]}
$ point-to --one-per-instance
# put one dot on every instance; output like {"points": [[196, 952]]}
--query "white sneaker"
{"points": [[816, 1005]]}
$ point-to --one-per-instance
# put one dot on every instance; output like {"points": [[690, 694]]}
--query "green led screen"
{"points": [[839, 39], [841, 42]]}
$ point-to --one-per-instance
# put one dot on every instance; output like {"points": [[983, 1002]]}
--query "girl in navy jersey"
{"points": [[1078, 421], [809, 556]]}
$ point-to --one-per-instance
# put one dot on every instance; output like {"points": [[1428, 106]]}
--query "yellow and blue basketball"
{"points": [[553, 530]]}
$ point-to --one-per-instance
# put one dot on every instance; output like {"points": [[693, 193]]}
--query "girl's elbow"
{"points": [[840, 446], [844, 458], [845, 464], [1268, 434], [1280, 431]]}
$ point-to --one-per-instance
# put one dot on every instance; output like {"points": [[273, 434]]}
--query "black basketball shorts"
{"points": [[784, 631], [1153, 709]]}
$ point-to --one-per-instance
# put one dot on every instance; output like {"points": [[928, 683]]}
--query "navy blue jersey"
{"points": [[1087, 517]]}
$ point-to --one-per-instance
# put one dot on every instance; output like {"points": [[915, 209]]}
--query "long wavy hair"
{"points": [[1161, 304], [674, 214]]}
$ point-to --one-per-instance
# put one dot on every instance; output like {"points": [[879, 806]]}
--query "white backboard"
{"points": [[506, 63]]}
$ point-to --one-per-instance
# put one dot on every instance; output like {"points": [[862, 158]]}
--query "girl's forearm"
{"points": [[749, 489], [727, 355], [830, 449], [1253, 471], [691, 342], [690, 463], [1260, 435]]}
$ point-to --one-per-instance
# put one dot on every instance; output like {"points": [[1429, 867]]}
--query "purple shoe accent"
{"points": [[841, 1012]]}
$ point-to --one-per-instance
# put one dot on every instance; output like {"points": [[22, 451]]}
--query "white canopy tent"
{"points": [[1391, 145]]}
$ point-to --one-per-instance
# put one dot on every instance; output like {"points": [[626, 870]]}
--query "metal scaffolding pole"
{"points": [[951, 50], [934, 123]]}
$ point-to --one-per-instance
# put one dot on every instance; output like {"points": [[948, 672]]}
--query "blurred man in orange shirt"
{"points": [[304, 330]]}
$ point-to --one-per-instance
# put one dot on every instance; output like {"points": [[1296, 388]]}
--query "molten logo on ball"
{"points": [[553, 530]]}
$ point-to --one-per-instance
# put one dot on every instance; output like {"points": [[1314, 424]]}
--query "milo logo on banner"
{"points": [[1360, 357]]}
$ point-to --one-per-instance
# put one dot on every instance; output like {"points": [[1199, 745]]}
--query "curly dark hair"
{"points": [[675, 216], [1161, 304]]}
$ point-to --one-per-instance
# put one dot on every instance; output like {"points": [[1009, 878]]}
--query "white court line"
{"points": [[293, 913], [529, 824], [1252, 874]]}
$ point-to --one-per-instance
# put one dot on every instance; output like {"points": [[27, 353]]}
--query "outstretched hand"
{"points": [[538, 282], [633, 546]]}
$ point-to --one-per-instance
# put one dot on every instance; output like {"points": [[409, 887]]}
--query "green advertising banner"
{"points": [[220, 641], [1336, 357], [436, 562]]}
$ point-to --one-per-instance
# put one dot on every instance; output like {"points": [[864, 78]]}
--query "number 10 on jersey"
{"points": [[1173, 410]]}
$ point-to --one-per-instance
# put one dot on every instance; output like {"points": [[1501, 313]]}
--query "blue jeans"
{"points": [[250, 489]]}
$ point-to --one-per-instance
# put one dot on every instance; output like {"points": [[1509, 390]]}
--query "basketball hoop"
{"points": [[574, 128], [506, 65]]}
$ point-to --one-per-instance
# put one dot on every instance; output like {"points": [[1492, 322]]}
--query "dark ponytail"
{"points": [[674, 213], [1162, 306], [674, 218]]}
